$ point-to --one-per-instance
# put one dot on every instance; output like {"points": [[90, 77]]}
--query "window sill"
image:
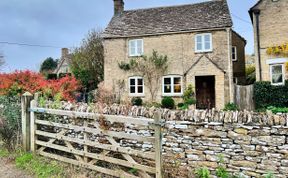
{"points": [[277, 84], [137, 95], [199, 52], [172, 94]]}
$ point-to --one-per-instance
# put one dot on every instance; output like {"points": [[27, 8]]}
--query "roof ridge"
{"points": [[171, 6]]}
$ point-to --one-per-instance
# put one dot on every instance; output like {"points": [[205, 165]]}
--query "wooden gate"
{"points": [[244, 97], [95, 141]]}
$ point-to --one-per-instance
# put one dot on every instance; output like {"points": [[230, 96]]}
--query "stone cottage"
{"points": [[269, 18], [198, 39], [63, 67]]}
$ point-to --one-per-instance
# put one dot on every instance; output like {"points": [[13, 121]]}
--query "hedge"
{"points": [[266, 95]]}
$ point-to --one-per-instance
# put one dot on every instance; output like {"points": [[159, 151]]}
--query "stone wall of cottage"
{"points": [[273, 30], [239, 64], [251, 143], [180, 49]]}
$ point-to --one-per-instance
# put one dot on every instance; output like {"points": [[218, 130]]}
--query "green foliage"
{"points": [[136, 101], [266, 95], [168, 102], [48, 65], [133, 171], [151, 68], [276, 110], [3, 153], [230, 107], [87, 62], [179, 105], [250, 74], [269, 175], [39, 166], [202, 173], [190, 101], [189, 94], [124, 66], [10, 121], [221, 170]]}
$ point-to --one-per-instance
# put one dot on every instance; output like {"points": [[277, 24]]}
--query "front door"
{"points": [[205, 92]]}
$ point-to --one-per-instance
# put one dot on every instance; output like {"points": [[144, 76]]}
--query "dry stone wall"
{"points": [[250, 143]]}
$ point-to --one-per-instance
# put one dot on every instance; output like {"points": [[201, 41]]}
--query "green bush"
{"points": [[168, 102], [266, 95], [180, 105], [10, 121], [202, 173], [190, 101], [276, 110], [136, 101], [230, 107]]}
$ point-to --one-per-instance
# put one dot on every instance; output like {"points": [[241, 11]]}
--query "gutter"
{"points": [[256, 16]]}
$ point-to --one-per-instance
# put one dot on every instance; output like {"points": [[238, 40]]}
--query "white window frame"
{"points": [[136, 86], [202, 35], [136, 44], [283, 74], [235, 49], [172, 85]]}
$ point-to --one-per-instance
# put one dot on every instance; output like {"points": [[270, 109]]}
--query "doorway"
{"points": [[205, 92]]}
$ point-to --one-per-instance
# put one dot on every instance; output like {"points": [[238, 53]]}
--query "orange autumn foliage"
{"points": [[18, 82]]}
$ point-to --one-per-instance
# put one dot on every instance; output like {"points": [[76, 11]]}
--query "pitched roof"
{"points": [[162, 20], [252, 9]]}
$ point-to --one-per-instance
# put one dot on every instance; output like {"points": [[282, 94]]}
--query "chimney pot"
{"points": [[118, 7]]}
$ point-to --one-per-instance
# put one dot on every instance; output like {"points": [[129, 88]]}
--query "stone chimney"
{"points": [[65, 53], [118, 7]]}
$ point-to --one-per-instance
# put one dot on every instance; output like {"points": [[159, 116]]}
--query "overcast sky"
{"points": [[64, 23]]}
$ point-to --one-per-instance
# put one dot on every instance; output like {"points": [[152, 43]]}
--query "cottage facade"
{"points": [[63, 67], [198, 39], [269, 18]]}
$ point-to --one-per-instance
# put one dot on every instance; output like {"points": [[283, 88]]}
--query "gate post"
{"points": [[158, 145], [25, 106]]}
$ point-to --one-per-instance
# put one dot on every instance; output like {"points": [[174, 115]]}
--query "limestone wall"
{"points": [[251, 143]]}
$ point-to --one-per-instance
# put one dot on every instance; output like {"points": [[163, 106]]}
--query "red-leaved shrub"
{"points": [[18, 82]]}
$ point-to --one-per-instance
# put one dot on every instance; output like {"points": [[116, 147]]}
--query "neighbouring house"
{"points": [[198, 39], [269, 18], [63, 67]]}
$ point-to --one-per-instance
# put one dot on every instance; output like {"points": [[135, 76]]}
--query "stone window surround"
{"points": [[136, 86], [136, 47], [172, 85], [235, 53], [202, 35]]}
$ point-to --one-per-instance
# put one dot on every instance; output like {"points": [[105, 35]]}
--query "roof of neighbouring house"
{"points": [[173, 19]]}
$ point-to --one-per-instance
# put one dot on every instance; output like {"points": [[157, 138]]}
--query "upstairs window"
{"points": [[203, 42], [234, 53], [172, 86], [136, 47], [277, 74], [136, 86]]}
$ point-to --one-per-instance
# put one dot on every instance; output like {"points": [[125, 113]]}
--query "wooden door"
{"points": [[205, 92]]}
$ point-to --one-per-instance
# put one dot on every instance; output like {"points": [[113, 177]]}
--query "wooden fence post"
{"points": [[158, 145], [25, 106], [33, 126]]}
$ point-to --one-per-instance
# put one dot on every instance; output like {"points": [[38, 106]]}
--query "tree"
{"points": [[151, 68], [48, 65], [87, 62]]}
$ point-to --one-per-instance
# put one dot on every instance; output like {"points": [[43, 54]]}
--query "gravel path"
{"points": [[8, 170]]}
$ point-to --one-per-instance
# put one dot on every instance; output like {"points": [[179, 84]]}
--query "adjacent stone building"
{"points": [[63, 67], [269, 18], [198, 39]]}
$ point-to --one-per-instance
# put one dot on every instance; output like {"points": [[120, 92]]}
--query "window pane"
{"points": [[132, 89], [199, 43], [177, 80], [140, 81], [132, 81], [207, 38], [199, 39], [177, 88], [167, 81], [277, 78], [233, 56], [140, 89], [132, 47], [139, 47], [207, 45], [277, 69], [167, 88]]}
